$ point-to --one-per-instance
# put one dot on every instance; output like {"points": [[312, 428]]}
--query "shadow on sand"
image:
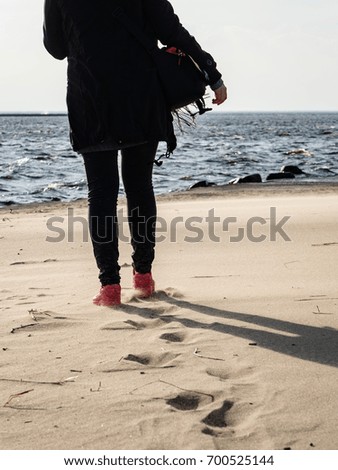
{"points": [[309, 343]]}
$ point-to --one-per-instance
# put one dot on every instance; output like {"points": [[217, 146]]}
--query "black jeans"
{"points": [[103, 187]]}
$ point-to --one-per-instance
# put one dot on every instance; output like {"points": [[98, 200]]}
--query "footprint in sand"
{"points": [[144, 360], [223, 374], [218, 373], [184, 402], [211, 432], [151, 361], [217, 417], [173, 337], [190, 402], [136, 325], [151, 311]]}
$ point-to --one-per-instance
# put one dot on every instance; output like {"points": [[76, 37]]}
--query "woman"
{"points": [[115, 102]]}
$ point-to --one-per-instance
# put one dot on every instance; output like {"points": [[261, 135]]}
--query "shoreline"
{"points": [[265, 189]]}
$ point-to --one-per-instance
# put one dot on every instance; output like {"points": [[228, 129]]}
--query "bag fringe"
{"points": [[185, 117]]}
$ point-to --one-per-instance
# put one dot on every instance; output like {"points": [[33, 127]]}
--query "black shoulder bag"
{"points": [[183, 82]]}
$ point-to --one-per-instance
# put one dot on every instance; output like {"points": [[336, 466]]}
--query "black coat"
{"points": [[113, 93]]}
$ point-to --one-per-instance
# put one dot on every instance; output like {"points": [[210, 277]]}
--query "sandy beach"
{"points": [[238, 349]]}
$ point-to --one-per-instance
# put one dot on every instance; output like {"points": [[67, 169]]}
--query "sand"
{"points": [[238, 349]]}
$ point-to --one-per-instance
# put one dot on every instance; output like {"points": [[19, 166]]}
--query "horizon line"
{"points": [[65, 113]]}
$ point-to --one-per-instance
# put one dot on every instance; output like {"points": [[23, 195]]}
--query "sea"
{"points": [[37, 163]]}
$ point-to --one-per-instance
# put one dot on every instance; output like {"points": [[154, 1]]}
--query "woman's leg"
{"points": [[103, 187], [137, 169]]}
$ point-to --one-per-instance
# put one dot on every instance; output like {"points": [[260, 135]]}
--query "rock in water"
{"points": [[292, 169], [280, 176], [256, 178], [202, 184]]}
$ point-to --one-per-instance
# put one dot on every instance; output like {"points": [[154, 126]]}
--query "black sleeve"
{"points": [[168, 29], [53, 33]]}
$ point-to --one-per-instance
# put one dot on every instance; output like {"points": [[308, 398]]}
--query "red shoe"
{"points": [[108, 296], [144, 284]]}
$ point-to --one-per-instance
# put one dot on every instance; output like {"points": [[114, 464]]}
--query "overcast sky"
{"points": [[275, 55]]}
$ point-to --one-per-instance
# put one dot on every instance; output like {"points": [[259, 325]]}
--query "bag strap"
{"points": [[133, 28]]}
